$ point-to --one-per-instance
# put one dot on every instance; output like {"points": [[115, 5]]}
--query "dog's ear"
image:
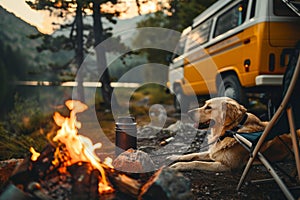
{"points": [[233, 110], [242, 109]]}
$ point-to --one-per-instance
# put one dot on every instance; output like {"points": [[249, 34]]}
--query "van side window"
{"points": [[232, 18], [199, 35], [252, 13], [281, 9]]}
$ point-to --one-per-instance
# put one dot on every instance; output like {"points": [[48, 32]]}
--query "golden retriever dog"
{"points": [[225, 153]]}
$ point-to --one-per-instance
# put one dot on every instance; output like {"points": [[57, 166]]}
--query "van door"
{"points": [[284, 25]]}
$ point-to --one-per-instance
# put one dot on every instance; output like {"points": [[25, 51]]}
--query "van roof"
{"points": [[186, 30], [210, 11]]}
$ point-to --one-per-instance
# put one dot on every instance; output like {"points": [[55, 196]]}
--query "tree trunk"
{"points": [[79, 50], [106, 88]]}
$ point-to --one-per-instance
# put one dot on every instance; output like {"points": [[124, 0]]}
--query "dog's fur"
{"points": [[221, 114]]}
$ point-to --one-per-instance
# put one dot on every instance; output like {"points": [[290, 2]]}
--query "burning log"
{"points": [[166, 184], [68, 168], [84, 181], [125, 184]]}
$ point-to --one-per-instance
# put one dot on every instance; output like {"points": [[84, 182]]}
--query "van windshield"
{"points": [[281, 9], [232, 18]]}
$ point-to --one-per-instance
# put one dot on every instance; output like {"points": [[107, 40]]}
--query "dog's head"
{"points": [[217, 112]]}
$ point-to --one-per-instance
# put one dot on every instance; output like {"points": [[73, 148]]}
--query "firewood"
{"points": [[22, 174], [127, 185], [30, 171], [43, 165], [84, 181], [166, 184], [6, 169], [123, 183]]}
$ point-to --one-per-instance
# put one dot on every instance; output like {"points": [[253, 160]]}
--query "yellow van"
{"points": [[234, 48]]}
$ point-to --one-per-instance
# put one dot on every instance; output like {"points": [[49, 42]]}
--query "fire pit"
{"points": [[68, 168]]}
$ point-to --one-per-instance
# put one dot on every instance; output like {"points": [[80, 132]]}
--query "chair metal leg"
{"points": [[294, 136], [250, 161], [264, 161], [278, 180], [245, 172]]}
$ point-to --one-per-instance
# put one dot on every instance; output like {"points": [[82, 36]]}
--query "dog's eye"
{"points": [[207, 108]]}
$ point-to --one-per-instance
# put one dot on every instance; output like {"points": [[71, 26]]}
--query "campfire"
{"points": [[69, 168]]}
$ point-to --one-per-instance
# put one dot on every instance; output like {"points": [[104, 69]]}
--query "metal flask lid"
{"points": [[126, 132]]}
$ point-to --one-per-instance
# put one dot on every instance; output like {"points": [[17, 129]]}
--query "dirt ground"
{"points": [[213, 185], [222, 185], [153, 140]]}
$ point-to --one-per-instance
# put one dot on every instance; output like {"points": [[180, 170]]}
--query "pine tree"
{"points": [[80, 42]]}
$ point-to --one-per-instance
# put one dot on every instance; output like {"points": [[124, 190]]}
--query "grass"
{"points": [[24, 126], [154, 92], [28, 124], [17, 146]]}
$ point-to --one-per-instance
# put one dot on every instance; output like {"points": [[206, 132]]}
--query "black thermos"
{"points": [[125, 134]]}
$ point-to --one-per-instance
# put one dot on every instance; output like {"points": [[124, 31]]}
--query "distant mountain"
{"points": [[124, 25], [15, 41], [34, 65]]}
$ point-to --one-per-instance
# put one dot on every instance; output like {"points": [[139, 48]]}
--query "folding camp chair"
{"points": [[285, 120], [294, 5]]}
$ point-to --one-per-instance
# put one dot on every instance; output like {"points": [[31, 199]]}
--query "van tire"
{"points": [[181, 101], [231, 87]]}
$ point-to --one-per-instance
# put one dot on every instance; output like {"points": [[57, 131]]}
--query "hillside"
{"points": [[15, 42], [22, 61]]}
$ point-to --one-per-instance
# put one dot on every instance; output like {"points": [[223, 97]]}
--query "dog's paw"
{"points": [[173, 158], [181, 166]]}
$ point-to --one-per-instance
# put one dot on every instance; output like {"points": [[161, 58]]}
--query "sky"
{"points": [[40, 19], [43, 21]]}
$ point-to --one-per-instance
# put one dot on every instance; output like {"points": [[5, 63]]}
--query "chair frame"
{"points": [[284, 107], [290, 4]]}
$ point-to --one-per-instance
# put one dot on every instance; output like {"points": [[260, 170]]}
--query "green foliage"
{"points": [[13, 61], [26, 117], [24, 127], [179, 16], [18, 52], [3, 85], [120, 66], [184, 11], [148, 95], [68, 37], [156, 94], [13, 146], [158, 19]]}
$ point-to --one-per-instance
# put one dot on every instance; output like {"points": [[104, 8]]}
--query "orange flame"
{"points": [[80, 148], [35, 155]]}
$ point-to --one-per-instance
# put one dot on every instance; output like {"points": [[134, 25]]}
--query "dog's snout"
{"points": [[193, 114]]}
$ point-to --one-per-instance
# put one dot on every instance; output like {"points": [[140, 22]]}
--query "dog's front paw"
{"points": [[173, 158], [181, 166]]}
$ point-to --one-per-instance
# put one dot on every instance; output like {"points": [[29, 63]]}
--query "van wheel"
{"points": [[232, 88], [181, 101]]}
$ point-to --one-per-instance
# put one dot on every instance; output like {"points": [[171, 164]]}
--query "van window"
{"points": [[281, 9], [231, 18], [199, 35]]}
